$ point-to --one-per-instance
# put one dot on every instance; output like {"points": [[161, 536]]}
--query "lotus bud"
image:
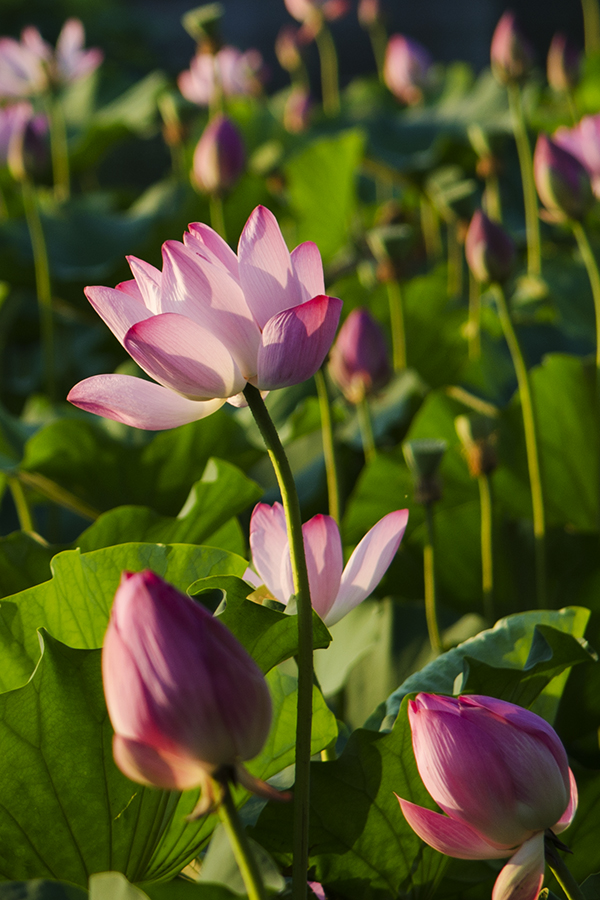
{"points": [[369, 12], [186, 701], [477, 437], [423, 458], [406, 68], [562, 182], [563, 65], [511, 52], [489, 250], [359, 362], [219, 157], [297, 110], [287, 48]]}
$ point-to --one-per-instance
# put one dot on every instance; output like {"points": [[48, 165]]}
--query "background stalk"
{"points": [[474, 320], [329, 71], [291, 505], [429, 575], [21, 502], [487, 560], [333, 490], [532, 222], [363, 414], [397, 325], [217, 218], [59, 150], [591, 25], [240, 845]]}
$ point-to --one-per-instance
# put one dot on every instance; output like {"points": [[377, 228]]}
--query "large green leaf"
{"points": [[24, 561], [74, 606]]}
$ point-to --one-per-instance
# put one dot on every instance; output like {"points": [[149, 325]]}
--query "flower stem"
{"points": [[430, 227], [378, 38], [329, 71], [291, 506], [240, 845], [217, 218], [533, 463], [366, 430], [42, 284], [59, 150], [591, 25], [474, 322], [333, 491], [455, 258], [21, 504], [561, 872], [487, 564], [397, 324], [429, 575], [532, 222]]}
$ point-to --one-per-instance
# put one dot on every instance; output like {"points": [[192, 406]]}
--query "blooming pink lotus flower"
{"points": [[406, 68], [500, 774], [489, 249], [229, 71], [185, 699], [583, 142], [219, 157], [71, 61], [511, 53], [335, 590], [359, 362], [210, 323], [562, 181]]}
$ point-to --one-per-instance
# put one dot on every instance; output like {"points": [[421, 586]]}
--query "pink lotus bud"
{"points": [[489, 250], [562, 181], [185, 699], [406, 68], [287, 48], [563, 65], [583, 142], [359, 360], [297, 109], [219, 157], [511, 52], [500, 774], [369, 12]]}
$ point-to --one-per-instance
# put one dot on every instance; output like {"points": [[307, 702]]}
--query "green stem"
{"points": [[366, 430], [329, 71], [378, 36], [537, 497], [240, 845], [291, 506], [217, 218], [455, 259], [430, 227], [397, 325], [487, 563], [42, 284], [474, 322], [532, 222], [493, 203], [59, 150], [429, 575], [22, 507], [564, 877], [591, 25], [333, 491]]}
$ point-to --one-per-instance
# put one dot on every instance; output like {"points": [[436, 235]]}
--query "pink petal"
{"points": [[117, 308], [183, 356], [450, 836], [146, 765], [269, 545], [295, 342], [368, 564], [209, 295], [265, 267], [149, 280], [523, 875], [139, 403], [308, 269], [569, 813], [324, 560], [204, 237]]}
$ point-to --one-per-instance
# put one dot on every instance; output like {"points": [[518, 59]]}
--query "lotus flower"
{"points": [[489, 250], [219, 156], [334, 592], [186, 701], [562, 181], [307, 10], [500, 775], [71, 61], [511, 52], [406, 68], [359, 362], [583, 142], [210, 323], [230, 72], [563, 65]]}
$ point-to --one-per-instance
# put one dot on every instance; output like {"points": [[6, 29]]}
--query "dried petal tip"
{"points": [[511, 53], [219, 157], [562, 181], [359, 360], [489, 250], [563, 66]]}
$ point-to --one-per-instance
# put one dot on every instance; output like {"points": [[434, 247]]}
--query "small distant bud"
{"points": [[287, 48], [369, 12], [359, 362], [562, 182], [478, 439], [297, 110], [564, 64], [511, 52], [583, 142], [219, 157], [489, 250], [423, 458], [406, 68]]}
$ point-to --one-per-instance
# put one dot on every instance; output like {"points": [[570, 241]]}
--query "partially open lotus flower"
{"points": [[186, 701], [583, 142], [511, 53], [335, 590], [219, 157], [563, 66], [501, 777], [210, 323], [406, 68], [561, 180], [489, 250], [230, 72]]}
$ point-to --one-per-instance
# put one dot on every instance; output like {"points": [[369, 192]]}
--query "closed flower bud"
{"points": [[287, 48], [563, 65], [186, 701], [219, 157], [562, 182], [369, 12], [511, 52], [423, 457], [489, 250], [359, 362], [406, 68], [297, 110]]}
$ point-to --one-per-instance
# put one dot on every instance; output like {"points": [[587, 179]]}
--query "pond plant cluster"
{"points": [[300, 574]]}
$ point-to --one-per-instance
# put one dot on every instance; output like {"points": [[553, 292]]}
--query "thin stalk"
{"points": [[397, 325], [363, 414], [429, 575], [333, 490], [474, 322], [291, 506], [378, 36], [240, 845], [217, 218], [533, 463], [455, 259], [591, 25], [21, 502], [487, 560], [329, 71], [431, 229], [564, 877], [42, 284], [532, 222], [59, 150], [589, 260], [59, 495], [492, 201]]}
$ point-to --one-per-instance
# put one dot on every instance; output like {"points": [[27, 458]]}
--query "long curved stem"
{"points": [[430, 592], [240, 845], [532, 222], [564, 877], [397, 325], [329, 71], [366, 430], [533, 463], [333, 490], [291, 506], [21, 504], [59, 150], [474, 321], [487, 565]]}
